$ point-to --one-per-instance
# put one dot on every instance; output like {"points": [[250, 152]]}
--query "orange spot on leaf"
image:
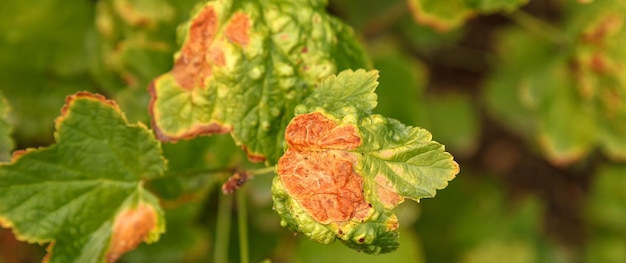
{"points": [[325, 184], [192, 67], [315, 131], [237, 30], [318, 172], [131, 227], [387, 195]]}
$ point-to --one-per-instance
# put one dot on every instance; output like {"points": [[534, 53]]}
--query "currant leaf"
{"points": [[344, 169], [84, 194]]}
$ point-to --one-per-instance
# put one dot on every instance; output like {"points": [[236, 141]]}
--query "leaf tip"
{"points": [[131, 227], [69, 100], [192, 67]]}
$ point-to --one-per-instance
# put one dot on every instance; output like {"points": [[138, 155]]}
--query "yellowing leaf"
{"points": [[243, 67], [344, 169]]}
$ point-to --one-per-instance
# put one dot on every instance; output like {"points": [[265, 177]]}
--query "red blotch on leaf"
{"points": [[318, 172], [130, 229], [315, 131], [237, 30], [387, 195], [192, 66], [253, 157]]}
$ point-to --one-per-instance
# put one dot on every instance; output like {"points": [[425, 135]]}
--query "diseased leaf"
{"points": [[344, 170], [184, 242], [84, 194], [133, 42], [243, 67], [445, 15]]}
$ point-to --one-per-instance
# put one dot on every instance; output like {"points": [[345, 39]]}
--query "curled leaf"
{"points": [[344, 169]]}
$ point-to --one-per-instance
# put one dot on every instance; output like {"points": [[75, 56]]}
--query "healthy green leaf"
{"points": [[445, 15], [344, 170], [243, 67], [84, 194]]}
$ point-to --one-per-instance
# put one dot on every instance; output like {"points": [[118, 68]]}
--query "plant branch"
{"points": [[222, 232], [243, 226]]}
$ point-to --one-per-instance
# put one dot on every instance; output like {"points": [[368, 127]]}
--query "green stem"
{"points": [[243, 225], [195, 172], [222, 232], [261, 171], [539, 27]]}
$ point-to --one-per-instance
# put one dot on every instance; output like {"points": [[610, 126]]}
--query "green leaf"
{"points": [[445, 15], [244, 66], [344, 170], [133, 42], [84, 194], [6, 142]]}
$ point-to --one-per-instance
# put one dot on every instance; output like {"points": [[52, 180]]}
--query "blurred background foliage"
{"points": [[529, 96]]}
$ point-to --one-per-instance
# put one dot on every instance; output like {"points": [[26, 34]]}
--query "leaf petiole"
{"points": [[242, 217]]}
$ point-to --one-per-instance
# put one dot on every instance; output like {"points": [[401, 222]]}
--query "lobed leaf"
{"points": [[344, 169], [244, 66], [84, 194]]}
